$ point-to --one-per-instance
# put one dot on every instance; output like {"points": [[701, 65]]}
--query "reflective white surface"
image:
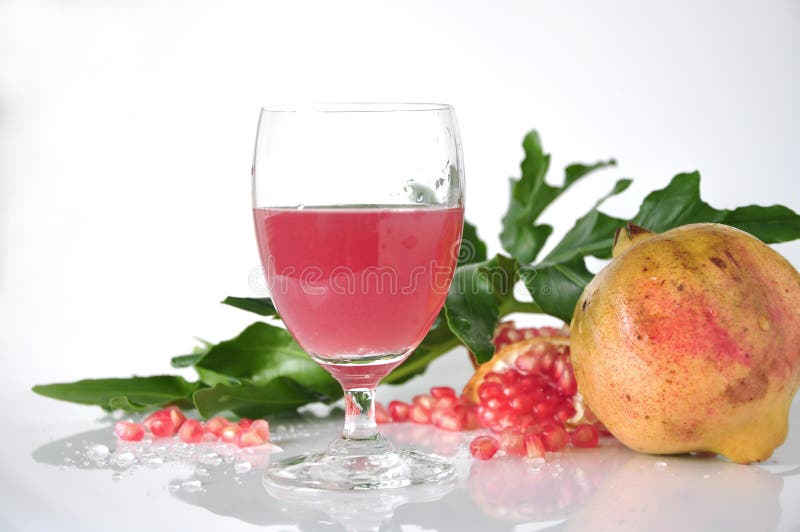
{"points": [[610, 488]]}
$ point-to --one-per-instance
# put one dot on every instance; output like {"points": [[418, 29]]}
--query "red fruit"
{"points": [[438, 392], [555, 438], [534, 446], [546, 408], [585, 436], [483, 447], [513, 389], [521, 403], [468, 417], [399, 411], [191, 431], [425, 401], [510, 377], [158, 414], [566, 382], [512, 442], [163, 427], [245, 422], [526, 363], [496, 403], [446, 402], [546, 362], [381, 414], [229, 433], [216, 424], [177, 416], [447, 420], [420, 414], [564, 412], [261, 427], [249, 438], [506, 419], [487, 416], [129, 431]]}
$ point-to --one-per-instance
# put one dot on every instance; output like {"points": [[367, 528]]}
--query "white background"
{"points": [[126, 132]]}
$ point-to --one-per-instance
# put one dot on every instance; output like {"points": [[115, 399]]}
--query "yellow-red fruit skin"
{"points": [[690, 341]]}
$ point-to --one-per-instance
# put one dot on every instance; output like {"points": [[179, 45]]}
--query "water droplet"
{"points": [[201, 472], [116, 476], [211, 459], [192, 486], [68, 444], [154, 462], [123, 460], [242, 467], [97, 452], [660, 465]]}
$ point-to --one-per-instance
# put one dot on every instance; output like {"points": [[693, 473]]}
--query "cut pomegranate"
{"points": [[381, 414], [489, 390], [555, 438], [483, 447], [420, 414], [129, 431], [468, 416], [521, 403], [512, 442], [425, 401], [439, 392], [399, 411], [191, 431], [585, 436], [216, 424], [229, 433]]}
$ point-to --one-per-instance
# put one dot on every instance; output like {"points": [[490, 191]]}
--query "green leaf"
{"points": [[771, 225], [132, 394], [260, 305], [261, 353], [472, 249], [558, 287], [530, 195], [185, 361], [252, 400], [439, 340], [473, 303], [592, 234]]}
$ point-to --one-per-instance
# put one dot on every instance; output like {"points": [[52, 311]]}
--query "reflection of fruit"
{"points": [[688, 341]]}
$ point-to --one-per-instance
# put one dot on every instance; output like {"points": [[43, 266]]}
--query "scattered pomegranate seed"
{"points": [[261, 427], [446, 402], [191, 431], [438, 392], [245, 422], [424, 401], [381, 414], [129, 431], [229, 433], [534, 446], [249, 438], [420, 414], [585, 436], [447, 420], [399, 411], [163, 427], [483, 447], [468, 416], [512, 442], [177, 416], [555, 438], [216, 424], [489, 390]]}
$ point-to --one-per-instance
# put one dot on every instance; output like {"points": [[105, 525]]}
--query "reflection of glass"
{"points": [[358, 211]]}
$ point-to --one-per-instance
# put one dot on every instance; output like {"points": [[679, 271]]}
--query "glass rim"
{"points": [[356, 107]]}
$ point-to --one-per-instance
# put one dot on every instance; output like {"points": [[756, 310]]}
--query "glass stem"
{"points": [[359, 414]]}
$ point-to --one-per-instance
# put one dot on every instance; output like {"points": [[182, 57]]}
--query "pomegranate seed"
{"points": [[163, 427], [585, 436], [534, 446], [510, 377], [564, 412], [158, 414], [521, 403], [507, 419], [513, 389], [424, 401], [566, 383], [545, 409], [489, 390], [526, 363], [216, 424], [249, 438], [381, 414], [496, 403], [483, 447], [399, 411], [447, 420], [555, 438], [546, 362], [487, 416], [468, 416], [129, 431], [261, 427], [446, 402], [177, 416], [438, 392], [245, 422], [229, 433], [526, 421], [191, 431], [419, 414], [512, 442], [602, 429]]}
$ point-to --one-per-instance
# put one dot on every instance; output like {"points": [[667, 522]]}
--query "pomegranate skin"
{"points": [[690, 341]]}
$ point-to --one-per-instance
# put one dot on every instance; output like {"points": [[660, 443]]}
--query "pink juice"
{"points": [[359, 286]]}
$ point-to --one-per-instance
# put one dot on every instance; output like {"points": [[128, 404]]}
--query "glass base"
{"points": [[360, 465]]}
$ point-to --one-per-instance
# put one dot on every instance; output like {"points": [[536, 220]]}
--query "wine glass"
{"points": [[358, 211]]}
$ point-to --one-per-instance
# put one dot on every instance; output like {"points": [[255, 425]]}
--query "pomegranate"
{"points": [[484, 447], [688, 341]]}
